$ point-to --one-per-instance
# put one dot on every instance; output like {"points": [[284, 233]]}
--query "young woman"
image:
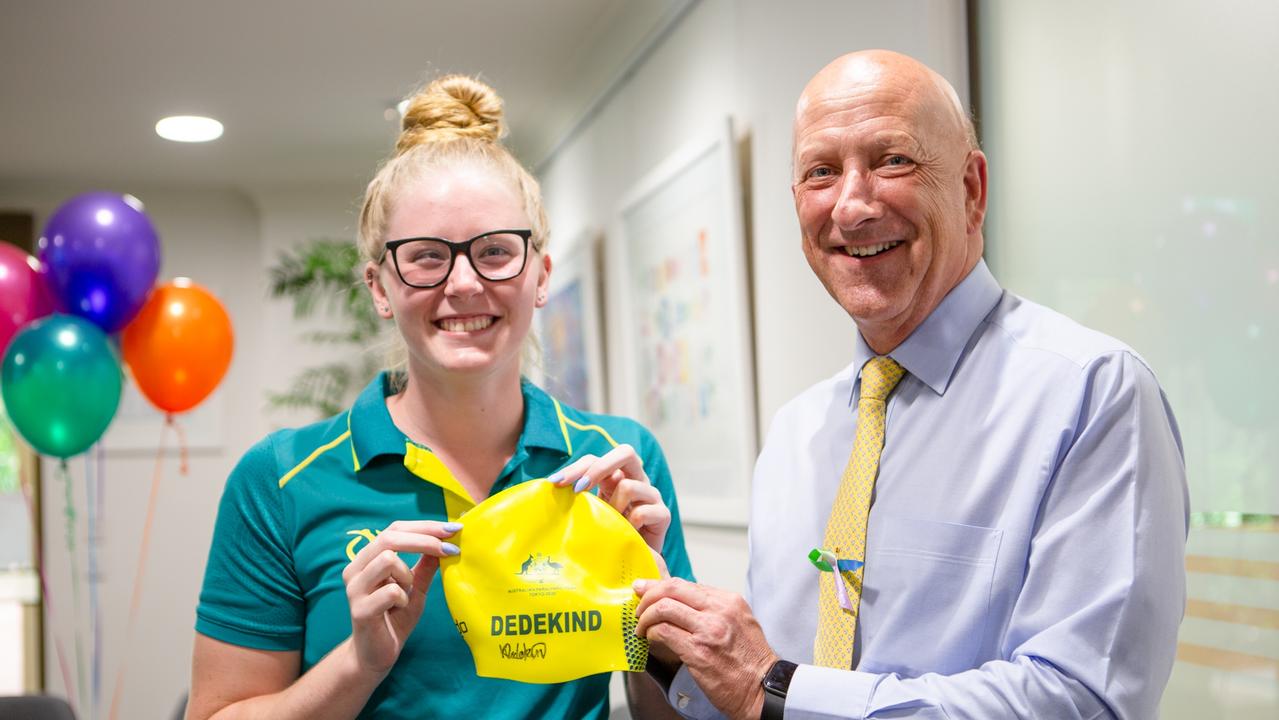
{"points": [[309, 609]]}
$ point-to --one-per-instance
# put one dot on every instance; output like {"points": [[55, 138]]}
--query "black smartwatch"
{"points": [[776, 683]]}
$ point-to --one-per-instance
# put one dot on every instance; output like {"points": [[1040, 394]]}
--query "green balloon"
{"points": [[61, 384]]}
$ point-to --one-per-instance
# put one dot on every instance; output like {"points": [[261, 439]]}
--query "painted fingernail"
{"points": [[449, 548], [582, 484], [557, 478], [452, 527]]}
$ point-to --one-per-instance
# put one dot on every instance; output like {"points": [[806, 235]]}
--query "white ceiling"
{"points": [[301, 85]]}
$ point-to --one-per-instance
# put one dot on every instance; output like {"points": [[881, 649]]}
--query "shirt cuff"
{"points": [[688, 699], [820, 693]]}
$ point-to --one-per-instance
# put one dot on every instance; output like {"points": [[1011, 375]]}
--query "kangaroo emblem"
{"points": [[539, 566]]}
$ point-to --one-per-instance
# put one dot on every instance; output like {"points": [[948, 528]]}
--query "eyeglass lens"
{"points": [[499, 256]]}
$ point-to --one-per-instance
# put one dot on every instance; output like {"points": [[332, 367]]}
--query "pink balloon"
{"points": [[23, 295]]}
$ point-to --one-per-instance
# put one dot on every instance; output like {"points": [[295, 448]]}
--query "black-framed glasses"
{"points": [[425, 262]]}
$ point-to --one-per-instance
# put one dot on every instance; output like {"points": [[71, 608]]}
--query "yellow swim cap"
{"points": [[542, 590]]}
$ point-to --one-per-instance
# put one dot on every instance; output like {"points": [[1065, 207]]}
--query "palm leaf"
{"points": [[319, 278]]}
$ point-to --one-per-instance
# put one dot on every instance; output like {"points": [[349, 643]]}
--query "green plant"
{"points": [[318, 277]]}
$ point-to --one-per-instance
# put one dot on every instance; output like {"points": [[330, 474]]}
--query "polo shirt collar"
{"points": [[931, 353], [542, 427], [373, 433]]}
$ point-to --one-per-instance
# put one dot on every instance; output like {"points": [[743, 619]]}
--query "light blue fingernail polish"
{"points": [[452, 526], [557, 477], [449, 548], [582, 484]]}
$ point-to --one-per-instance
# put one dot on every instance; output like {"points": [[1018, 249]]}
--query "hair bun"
{"points": [[453, 106]]}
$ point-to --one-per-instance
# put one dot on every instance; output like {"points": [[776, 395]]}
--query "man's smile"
{"points": [[870, 251]]}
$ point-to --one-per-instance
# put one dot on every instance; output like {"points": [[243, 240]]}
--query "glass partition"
{"points": [[1134, 187]]}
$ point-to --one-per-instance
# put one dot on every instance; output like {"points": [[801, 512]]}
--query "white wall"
{"points": [[749, 60], [289, 217]]}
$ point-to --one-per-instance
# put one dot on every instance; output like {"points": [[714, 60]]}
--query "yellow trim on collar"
{"points": [[428, 466], [314, 454], [355, 460]]}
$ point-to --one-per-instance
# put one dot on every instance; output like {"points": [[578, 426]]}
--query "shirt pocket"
{"points": [[928, 593]]}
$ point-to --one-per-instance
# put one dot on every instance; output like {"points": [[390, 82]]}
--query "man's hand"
{"points": [[714, 634]]}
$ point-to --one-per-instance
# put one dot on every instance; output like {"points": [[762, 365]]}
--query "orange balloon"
{"points": [[179, 345]]}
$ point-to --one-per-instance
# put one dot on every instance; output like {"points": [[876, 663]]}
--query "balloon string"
{"points": [[93, 499], [28, 496], [184, 466], [100, 484], [142, 564], [64, 474]]}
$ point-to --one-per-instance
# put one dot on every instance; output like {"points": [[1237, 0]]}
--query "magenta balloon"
{"points": [[101, 256], [23, 295]]}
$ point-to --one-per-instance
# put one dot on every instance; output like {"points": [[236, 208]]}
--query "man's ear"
{"points": [[975, 191], [373, 281]]}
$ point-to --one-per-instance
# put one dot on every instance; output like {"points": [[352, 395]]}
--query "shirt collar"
{"points": [[541, 420], [373, 433], [932, 351]]}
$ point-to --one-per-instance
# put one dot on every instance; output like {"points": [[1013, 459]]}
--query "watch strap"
{"points": [[776, 684], [774, 707]]}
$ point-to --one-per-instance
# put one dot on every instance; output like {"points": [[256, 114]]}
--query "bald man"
{"points": [[1013, 482]]}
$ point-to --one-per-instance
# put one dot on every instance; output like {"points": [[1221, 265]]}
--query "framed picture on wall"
{"points": [[569, 327], [678, 271]]}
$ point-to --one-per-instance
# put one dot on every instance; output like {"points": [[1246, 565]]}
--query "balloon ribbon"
{"points": [[169, 423], [93, 501], [64, 474]]}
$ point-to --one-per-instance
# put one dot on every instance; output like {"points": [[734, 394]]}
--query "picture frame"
{"points": [[569, 327], [678, 273]]}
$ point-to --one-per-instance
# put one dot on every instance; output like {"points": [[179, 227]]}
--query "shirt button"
{"points": [[682, 701]]}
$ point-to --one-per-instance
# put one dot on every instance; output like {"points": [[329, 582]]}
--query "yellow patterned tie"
{"points": [[846, 528]]}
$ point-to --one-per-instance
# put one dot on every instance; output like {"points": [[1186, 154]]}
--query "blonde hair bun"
{"points": [[453, 106]]}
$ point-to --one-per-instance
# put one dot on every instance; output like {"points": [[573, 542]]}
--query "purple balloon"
{"points": [[101, 256]]}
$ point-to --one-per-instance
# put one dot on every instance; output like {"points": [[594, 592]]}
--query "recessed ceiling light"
{"points": [[189, 128]]}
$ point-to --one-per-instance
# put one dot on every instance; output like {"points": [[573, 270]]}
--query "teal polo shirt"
{"points": [[302, 502]]}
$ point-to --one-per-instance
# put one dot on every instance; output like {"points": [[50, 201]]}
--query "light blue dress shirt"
{"points": [[1025, 548]]}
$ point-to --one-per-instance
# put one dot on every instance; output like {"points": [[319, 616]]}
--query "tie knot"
{"points": [[880, 375]]}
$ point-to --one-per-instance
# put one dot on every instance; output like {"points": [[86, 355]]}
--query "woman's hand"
{"points": [[620, 476], [385, 596]]}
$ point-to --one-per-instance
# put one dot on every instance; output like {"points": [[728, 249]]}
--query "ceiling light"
{"points": [[189, 128]]}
